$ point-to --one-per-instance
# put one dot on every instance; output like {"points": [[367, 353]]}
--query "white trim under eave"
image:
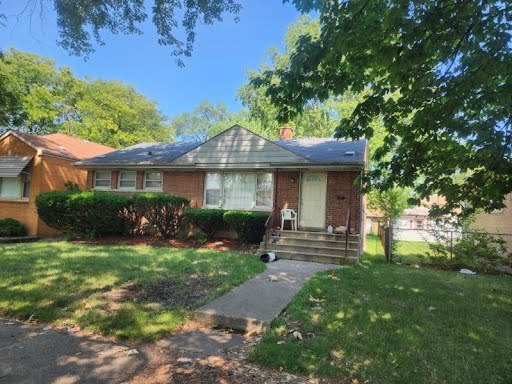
{"points": [[319, 167]]}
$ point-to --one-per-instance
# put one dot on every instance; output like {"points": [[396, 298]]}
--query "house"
{"points": [[31, 164], [498, 222], [240, 170]]}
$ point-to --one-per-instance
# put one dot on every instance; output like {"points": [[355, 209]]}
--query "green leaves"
{"points": [[447, 68], [39, 97]]}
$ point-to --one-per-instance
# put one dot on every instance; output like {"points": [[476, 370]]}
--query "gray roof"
{"points": [[327, 150], [12, 166], [142, 154], [313, 150]]}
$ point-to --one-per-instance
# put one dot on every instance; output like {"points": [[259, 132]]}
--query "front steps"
{"points": [[319, 247]]}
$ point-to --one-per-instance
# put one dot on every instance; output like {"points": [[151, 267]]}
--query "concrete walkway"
{"points": [[254, 304]]}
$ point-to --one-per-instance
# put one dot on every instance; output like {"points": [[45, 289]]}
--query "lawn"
{"points": [[396, 324], [67, 284]]}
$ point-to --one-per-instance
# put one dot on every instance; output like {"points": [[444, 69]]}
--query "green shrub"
{"points": [[207, 220], [11, 228], [249, 226], [163, 212], [475, 249], [84, 213]]}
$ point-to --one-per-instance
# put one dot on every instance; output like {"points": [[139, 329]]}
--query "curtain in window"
{"points": [[213, 188], [239, 190]]}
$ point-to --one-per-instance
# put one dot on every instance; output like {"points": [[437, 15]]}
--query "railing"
{"points": [[269, 224], [347, 231]]}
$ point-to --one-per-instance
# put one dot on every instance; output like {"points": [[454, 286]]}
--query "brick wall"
{"points": [[287, 187], [22, 210], [47, 174], [339, 187], [498, 222], [188, 184]]}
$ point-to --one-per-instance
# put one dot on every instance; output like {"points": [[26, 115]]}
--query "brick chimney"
{"points": [[286, 132]]}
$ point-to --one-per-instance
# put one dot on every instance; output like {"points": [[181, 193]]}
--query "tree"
{"points": [[33, 91], [447, 66], [391, 203], [38, 97], [82, 22], [204, 122]]}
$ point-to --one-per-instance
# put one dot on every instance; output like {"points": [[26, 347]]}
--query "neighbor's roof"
{"points": [[314, 151], [61, 145]]}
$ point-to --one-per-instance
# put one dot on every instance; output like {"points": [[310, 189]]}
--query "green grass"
{"points": [[64, 283], [396, 324]]}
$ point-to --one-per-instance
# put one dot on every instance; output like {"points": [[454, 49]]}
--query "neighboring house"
{"points": [[30, 164], [497, 222], [239, 170]]}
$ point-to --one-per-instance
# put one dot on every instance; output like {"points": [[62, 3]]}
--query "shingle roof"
{"points": [[143, 154], [11, 166], [317, 151], [327, 150], [59, 144]]}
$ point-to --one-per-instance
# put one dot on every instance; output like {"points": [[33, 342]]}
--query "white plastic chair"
{"points": [[289, 215]]}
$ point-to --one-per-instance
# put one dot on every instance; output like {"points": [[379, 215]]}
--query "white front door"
{"points": [[312, 199]]}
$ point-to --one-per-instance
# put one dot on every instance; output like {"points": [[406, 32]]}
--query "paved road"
{"points": [[35, 354]]}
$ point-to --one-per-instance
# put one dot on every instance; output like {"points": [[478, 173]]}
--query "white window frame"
{"points": [[145, 187], [126, 188], [222, 193], [102, 188]]}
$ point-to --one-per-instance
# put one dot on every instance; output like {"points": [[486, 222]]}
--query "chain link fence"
{"points": [[407, 245]]}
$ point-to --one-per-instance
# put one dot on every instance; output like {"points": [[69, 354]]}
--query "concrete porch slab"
{"points": [[254, 304]]}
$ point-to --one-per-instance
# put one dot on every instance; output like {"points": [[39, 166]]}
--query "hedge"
{"points": [[11, 228], [207, 220], [249, 226], [163, 212], [84, 213]]}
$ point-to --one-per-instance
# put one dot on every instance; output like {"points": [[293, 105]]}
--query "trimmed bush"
{"points": [[163, 212], [207, 220], [249, 226], [84, 213], [11, 228]]}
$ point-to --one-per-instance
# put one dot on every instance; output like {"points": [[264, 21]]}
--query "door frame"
{"points": [[301, 174]]}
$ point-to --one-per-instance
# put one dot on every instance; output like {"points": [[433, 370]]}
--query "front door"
{"points": [[312, 200]]}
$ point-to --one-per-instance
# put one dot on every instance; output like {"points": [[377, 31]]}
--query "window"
{"points": [[419, 224], [102, 180], [10, 187], [153, 180], [26, 186], [127, 179], [239, 190], [264, 184], [213, 188]]}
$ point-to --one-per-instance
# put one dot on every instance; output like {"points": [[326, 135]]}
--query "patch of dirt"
{"points": [[155, 241], [171, 291]]}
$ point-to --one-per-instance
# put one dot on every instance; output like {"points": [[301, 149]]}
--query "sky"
{"points": [[222, 53]]}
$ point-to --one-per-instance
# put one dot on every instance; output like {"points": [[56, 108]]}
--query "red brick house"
{"points": [[31, 164], [240, 170]]}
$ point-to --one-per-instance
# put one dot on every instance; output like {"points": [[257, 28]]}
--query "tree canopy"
{"points": [[83, 23], [437, 73], [39, 97]]}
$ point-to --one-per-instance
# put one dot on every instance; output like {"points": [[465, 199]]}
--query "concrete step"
{"points": [[317, 235], [317, 258], [313, 242], [310, 250]]}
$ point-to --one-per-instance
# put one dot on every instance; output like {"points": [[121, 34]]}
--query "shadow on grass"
{"points": [[63, 282], [396, 324]]}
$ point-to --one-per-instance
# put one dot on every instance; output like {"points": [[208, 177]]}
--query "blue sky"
{"points": [[221, 54]]}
